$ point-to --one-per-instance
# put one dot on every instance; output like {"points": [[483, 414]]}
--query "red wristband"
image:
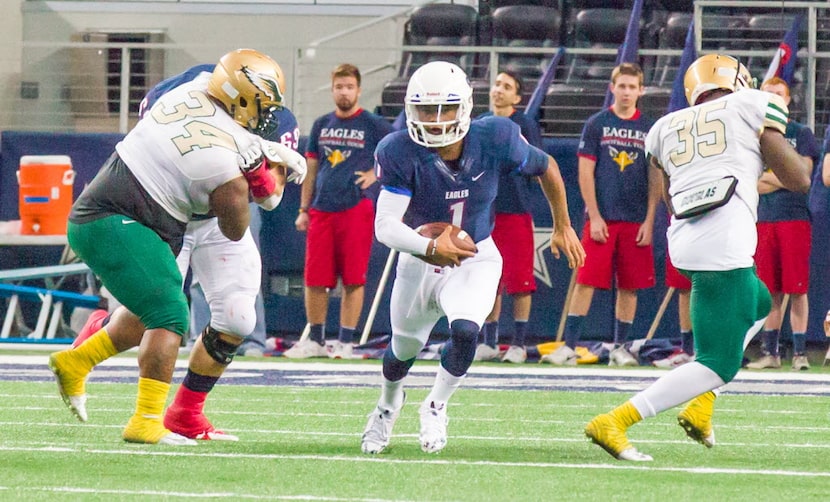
{"points": [[260, 181]]}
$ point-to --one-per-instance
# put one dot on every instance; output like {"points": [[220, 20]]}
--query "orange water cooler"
{"points": [[46, 183]]}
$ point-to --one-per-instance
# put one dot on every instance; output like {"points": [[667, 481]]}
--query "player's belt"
{"points": [[703, 198]]}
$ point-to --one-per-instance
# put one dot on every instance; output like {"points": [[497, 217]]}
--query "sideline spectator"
{"points": [[783, 254], [513, 230], [620, 205], [337, 212]]}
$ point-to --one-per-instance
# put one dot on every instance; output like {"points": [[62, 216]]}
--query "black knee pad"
{"points": [[221, 351], [464, 331]]}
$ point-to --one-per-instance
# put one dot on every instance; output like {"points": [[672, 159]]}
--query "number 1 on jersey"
{"points": [[457, 211]]}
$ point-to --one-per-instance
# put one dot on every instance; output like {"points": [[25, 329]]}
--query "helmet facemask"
{"points": [[433, 90]]}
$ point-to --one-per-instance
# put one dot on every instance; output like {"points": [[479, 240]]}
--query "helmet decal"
{"points": [[264, 82]]}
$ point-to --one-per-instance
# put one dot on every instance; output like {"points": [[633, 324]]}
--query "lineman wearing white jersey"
{"points": [[194, 153], [711, 156]]}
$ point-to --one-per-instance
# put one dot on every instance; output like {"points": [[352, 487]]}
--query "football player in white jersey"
{"points": [[197, 151], [711, 156]]}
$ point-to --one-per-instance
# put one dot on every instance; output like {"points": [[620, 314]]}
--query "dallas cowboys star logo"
{"points": [[541, 243]]}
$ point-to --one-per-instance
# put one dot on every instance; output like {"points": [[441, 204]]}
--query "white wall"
{"points": [[11, 33], [35, 35]]}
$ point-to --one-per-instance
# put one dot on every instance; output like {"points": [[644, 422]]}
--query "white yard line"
{"points": [[435, 461]]}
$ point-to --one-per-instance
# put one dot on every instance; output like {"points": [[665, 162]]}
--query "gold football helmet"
{"points": [[251, 86], [715, 71]]}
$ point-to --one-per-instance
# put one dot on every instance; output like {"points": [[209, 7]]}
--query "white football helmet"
{"points": [[715, 71], [435, 86], [251, 87]]}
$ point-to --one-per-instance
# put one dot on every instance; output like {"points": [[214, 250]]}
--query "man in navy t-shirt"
{"points": [[783, 254], [620, 205], [513, 231], [337, 211]]}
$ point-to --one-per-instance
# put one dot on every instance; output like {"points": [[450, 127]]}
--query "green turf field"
{"points": [[303, 443]]}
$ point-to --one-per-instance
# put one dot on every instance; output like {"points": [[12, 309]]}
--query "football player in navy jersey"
{"points": [[228, 274], [513, 230], [444, 168], [620, 204]]}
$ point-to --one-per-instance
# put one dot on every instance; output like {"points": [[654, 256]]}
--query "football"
{"points": [[459, 237]]}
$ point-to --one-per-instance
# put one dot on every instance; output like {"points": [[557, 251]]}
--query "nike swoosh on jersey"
{"points": [[127, 222], [479, 175]]}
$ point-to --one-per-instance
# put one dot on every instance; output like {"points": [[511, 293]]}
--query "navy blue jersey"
{"points": [[621, 173], [783, 204], [171, 83], [341, 147], [461, 192], [287, 132], [513, 196]]}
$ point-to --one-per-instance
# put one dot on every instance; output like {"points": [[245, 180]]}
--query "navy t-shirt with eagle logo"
{"points": [[783, 204], [621, 173], [342, 146]]}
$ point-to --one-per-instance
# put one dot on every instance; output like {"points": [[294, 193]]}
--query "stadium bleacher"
{"points": [[591, 31]]}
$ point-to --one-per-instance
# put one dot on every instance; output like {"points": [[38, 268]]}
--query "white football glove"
{"points": [[250, 158], [281, 154]]}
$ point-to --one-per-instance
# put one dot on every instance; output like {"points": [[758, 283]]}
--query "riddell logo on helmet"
{"points": [[264, 83]]}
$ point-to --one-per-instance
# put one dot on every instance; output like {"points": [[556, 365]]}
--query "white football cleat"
{"points": [[378, 429], [214, 435], [174, 439], [434, 421]]}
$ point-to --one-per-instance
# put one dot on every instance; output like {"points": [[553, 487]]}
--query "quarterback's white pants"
{"points": [[229, 273], [424, 293]]}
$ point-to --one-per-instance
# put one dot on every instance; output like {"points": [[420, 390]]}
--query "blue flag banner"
{"points": [[677, 100], [535, 102], [627, 53], [783, 63]]}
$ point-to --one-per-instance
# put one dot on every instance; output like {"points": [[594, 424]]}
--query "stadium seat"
{"points": [[655, 102], [452, 25], [440, 24], [687, 6], [671, 36], [571, 8], [764, 33], [600, 28], [723, 32], [487, 7], [567, 107], [526, 26]]}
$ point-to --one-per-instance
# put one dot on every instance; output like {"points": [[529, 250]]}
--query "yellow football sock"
{"points": [[152, 394], [95, 349], [627, 414]]}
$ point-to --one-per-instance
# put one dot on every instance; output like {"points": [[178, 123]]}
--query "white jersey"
{"points": [[184, 148], [706, 143]]}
